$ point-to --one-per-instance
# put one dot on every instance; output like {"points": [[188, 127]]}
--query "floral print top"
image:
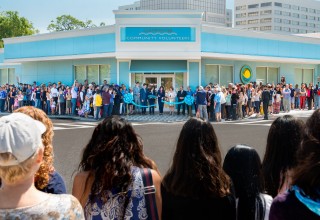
{"points": [[54, 208], [129, 205]]}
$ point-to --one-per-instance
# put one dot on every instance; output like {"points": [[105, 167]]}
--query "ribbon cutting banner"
{"points": [[128, 99]]}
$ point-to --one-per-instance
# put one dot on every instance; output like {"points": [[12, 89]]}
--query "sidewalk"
{"points": [[173, 118]]}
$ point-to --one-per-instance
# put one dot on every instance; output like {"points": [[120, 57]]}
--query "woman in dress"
{"points": [[277, 101], [171, 96], [109, 183], [303, 95], [243, 165], [195, 186]]}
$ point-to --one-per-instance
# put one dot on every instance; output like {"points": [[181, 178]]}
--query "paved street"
{"points": [[159, 139]]}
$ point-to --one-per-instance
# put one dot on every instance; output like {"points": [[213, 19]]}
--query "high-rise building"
{"points": [[132, 7], [229, 17], [214, 10], [280, 16]]}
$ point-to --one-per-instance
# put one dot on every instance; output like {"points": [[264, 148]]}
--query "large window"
{"points": [[278, 4], [266, 12], [303, 76], [7, 75], [255, 21], [93, 73], [266, 4], [241, 15], [252, 14], [265, 20], [221, 74], [267, 75], [253, 6]]}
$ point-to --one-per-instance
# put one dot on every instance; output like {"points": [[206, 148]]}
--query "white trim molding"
{"points": [[61, 34], [56, 58]]}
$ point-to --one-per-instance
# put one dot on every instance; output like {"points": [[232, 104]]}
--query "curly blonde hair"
{"points": [[13, 174], [43, 175]]}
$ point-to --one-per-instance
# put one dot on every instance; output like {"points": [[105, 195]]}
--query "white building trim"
{"points": [[154, 55], [258, 34], [56, 58], [62, 34]]}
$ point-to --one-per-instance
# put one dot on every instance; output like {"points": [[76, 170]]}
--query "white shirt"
{"points": [[54, 92]]}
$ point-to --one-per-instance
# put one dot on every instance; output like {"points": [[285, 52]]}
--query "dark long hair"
{"points": [[196, 170], [243, 165], [306, 175], [283, 140], [111, 152]]}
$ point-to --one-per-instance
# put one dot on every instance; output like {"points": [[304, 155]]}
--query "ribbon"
{"points": [[312, 205], [128, 99]]}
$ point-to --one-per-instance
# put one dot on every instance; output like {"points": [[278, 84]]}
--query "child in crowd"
{"points": [[16, 103], [53, 106], [68, 104], [85, 107], [20, 99]]}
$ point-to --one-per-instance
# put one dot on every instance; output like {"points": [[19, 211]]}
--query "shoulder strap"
{"points": [[149, 194]]}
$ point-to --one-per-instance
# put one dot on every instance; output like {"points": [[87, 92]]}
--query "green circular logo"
{"points": [[245, 74]]}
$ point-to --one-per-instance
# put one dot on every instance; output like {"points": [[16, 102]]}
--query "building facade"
{"points": [[168, 48], [229, 18], [214, 10], [279, 16], [131, 7]]}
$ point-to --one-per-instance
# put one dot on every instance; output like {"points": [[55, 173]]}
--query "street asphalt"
{"points": [[159, 139]]}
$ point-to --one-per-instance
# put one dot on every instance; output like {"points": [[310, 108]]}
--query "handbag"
{"points": [[149, 194]]}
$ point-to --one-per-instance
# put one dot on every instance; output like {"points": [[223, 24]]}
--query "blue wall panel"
{"points": [[54, 71], [219, 43], [104, 43], [194, 75], [124, 73], [1, 57]]}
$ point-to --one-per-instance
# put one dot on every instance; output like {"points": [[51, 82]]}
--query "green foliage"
{"points": [[12, 25], [68, 22]]}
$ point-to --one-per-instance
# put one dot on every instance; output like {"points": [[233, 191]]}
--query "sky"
{"points": [[42, 12]]}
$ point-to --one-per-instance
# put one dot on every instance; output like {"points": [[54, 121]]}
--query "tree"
{"points": [[12, 25], [68, 22]]}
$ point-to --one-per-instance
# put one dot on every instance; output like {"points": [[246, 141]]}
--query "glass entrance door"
{"points": [[152, 81], [166, 82]]}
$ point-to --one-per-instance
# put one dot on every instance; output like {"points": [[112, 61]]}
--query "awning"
{"points": [[158, 66]]}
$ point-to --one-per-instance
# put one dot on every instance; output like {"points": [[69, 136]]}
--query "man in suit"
{"points": [[181, 95], [143, 98], [265, 99]]}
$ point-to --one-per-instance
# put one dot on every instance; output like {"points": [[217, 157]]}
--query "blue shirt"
{"points": [[3, 94], [201, 98], [56, 184], [217, 97], [286, 93]]}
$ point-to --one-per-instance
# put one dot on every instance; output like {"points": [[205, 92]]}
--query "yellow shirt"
{"points": [[98, 100]]}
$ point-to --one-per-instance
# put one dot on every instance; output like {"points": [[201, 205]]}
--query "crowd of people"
{"points": [[212, 102], [115, 180]]}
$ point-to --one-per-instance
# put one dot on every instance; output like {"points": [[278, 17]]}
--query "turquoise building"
{"points": [[173, 48]]}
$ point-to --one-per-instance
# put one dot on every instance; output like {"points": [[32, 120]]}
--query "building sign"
{"points": [[246, 74], [158, 34]]}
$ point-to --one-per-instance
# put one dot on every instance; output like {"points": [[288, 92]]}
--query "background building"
{"points": [[131, 7], [229, 18], [281, 16], [214, 10], [163, 48]]}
